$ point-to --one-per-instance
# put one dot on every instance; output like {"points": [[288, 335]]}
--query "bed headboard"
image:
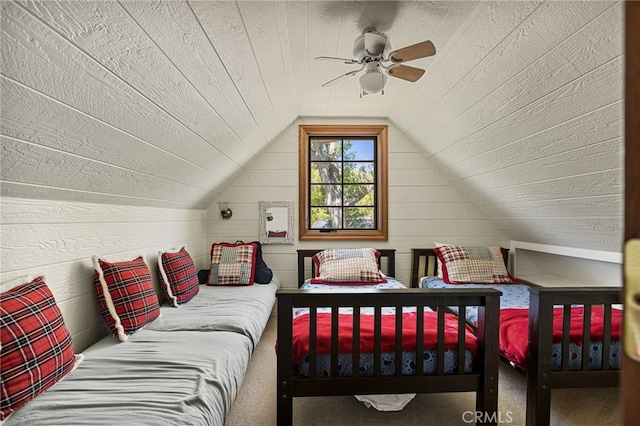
{"points": [[307, 269], [423, 263]]}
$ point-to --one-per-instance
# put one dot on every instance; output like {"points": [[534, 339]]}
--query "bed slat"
{"points": [[440, 356], [334, 342], [586, 337], [313, 342], [377, 342], [461, 339], [420, 340], [606, 342], [355, 356], [566, 326], [398, 345]]}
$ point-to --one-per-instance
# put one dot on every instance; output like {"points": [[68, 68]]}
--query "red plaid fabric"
{"points": [[179, 276], [36, 349], [481, 265], [126, 295], [351, 266], [232, 264]]}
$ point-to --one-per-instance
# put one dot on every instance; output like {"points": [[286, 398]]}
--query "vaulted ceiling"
{"points": [[167, 102]]}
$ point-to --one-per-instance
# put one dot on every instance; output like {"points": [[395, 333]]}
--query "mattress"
{"points": [[513, 295], [516, 296]]}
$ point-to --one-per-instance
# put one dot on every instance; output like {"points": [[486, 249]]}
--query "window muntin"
{"points": [[343, 182]]}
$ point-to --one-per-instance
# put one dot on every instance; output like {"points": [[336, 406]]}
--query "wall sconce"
{"points": [[225, 211]]}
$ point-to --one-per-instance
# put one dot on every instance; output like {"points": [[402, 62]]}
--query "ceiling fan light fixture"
{"points": [[373, 82]]}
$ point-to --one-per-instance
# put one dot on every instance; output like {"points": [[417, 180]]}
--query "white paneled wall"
{"points": [[556, 266], [57, 239], [166, 103], [423, 206], [523, 113]]}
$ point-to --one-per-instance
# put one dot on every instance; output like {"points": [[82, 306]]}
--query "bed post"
{"points": [[415, 267], [284, 377], [539, 374], [488, 329]]}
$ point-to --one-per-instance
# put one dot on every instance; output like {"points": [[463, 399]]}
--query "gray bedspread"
{"points": [[155, 378], [240, 309], [184, 368]]}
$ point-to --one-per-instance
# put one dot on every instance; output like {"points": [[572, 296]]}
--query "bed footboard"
{"points": [[540, 377], [483, 379]]}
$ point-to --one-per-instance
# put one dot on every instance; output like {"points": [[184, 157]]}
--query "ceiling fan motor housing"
{"points": [[372, 44]]}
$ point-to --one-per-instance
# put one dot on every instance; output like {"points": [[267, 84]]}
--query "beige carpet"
{"points": [[256, 402]]}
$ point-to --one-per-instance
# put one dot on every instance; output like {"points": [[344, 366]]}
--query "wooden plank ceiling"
{"points": [[167, 102]]}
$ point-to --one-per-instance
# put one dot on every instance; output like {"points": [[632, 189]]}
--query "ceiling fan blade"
{"points": [[415, 51], [331, 58], [405, 72], [374, 43], [340, 78]]}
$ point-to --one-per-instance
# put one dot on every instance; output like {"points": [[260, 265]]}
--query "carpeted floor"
{"points": [[256, 402]]}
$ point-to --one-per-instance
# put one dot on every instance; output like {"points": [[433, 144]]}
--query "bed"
{"points": [[535, 325], [445, 346], [184, 367]]}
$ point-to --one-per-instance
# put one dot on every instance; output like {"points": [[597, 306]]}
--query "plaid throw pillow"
{"points": [[126, 295], [482, 265], [179, 276], [347, 266], [232, 264], [35, 344]]}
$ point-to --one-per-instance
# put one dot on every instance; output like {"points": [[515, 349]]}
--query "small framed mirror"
{"points": [[276, 222]]}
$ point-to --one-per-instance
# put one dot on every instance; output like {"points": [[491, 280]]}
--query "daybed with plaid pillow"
{"points": [[162, 365]]}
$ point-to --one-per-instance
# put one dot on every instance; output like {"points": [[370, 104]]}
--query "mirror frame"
{"points": [[264, 206]]}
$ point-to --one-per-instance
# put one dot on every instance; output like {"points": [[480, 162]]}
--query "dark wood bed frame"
{"points": [[483, 380], [540, 378]]}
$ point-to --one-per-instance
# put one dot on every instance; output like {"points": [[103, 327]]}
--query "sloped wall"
{"points": [[57, 239], [529, 126], [423, 206]]}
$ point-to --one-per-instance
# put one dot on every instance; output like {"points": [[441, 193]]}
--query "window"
{"points": [[343, 182]]}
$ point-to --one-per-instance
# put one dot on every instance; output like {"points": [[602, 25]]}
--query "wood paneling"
{"points": [[57, 240], [168, 103], [533, 132], [423, 207]]}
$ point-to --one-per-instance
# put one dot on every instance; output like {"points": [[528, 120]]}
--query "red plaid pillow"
{"points": [[481, 265], [232, 264], [179, 276], [36, 349], [347, 266], [126, 295]]}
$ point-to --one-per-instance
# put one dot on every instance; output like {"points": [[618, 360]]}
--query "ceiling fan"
{"points": [[371, 50]]}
